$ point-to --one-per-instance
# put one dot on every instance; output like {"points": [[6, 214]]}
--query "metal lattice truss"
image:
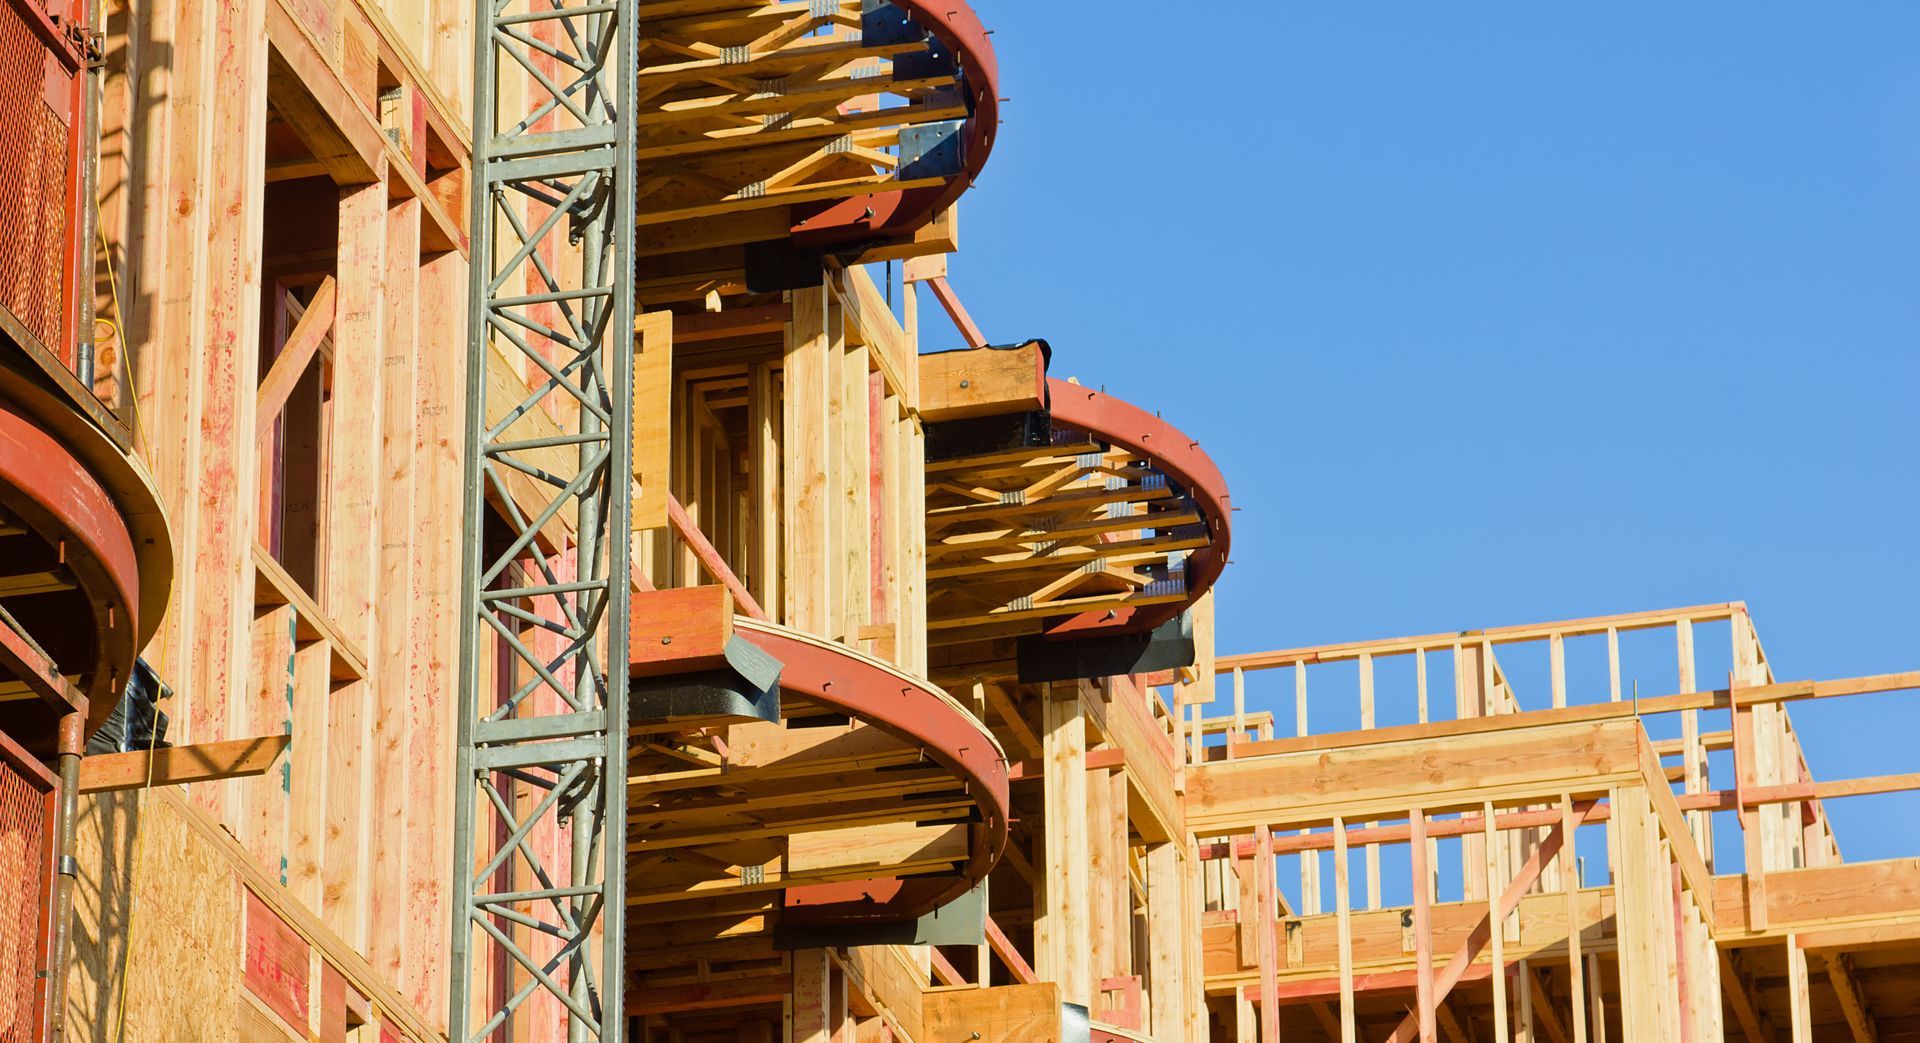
{"points": [[1019, 538], [747, 105], [540, 807]]}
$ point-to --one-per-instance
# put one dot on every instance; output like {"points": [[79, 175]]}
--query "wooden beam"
{"points": [[1542, 1005], [307, 93], [710, 559], [956, 385], [714, 995], [943, 969], [1499, 635], [759, 320], [679, 630], [1296, 990], [178, 765], [291, 363], [1744, 999], [26, 660], [275, 587], [1023, 735], [870, 321], [956, 311], [1003, 947], [1367, 780], [1853, 999]]}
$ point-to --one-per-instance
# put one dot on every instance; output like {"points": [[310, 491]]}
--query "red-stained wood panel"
{"points": [[333, 1005], [277, 963], [680, 630]]}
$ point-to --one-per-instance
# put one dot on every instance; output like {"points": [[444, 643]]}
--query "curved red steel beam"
{"points": [[896, 213], [915, 712], [1181, 459], [44, 485]]}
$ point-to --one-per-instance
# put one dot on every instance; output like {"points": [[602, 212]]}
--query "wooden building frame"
{"points": [[1004, 787]]}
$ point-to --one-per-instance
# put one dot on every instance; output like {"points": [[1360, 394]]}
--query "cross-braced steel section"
{"points": [[540, 809]]}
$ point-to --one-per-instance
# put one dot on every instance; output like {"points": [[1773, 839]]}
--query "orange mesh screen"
{"points": [[35, 117], [25, 818]]}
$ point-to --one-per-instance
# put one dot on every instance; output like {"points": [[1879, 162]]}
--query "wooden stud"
{"points": [[1799, 996], [1246, 1027], [1523, 977], [439, 461], [1640, 890], [1108, 926], [1613, 664], [1420, 682], [1597, 1003], [1366, 724], [653, 389], [852, 489], [1239, 714], [1557, 659], [394, 646], [1496, 917], [809, 473], [1570, 880], [1265, 922], [812, 1019], [1344, 926], [1065, 738], [1300, 699], [1166, 893], [1366, 690], [1421, 882], [764, 566]]}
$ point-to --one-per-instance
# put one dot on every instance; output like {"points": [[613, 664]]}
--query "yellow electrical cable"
{"points": [[117, 324]]}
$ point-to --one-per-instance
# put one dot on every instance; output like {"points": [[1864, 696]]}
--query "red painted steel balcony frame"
{"points": [[890, 215], [1120, 423], [89, 508], [916, 713]]}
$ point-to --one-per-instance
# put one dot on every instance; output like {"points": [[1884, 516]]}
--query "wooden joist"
{"points": [[307, 91], [275, 587], [21, 657], [179, 765]]}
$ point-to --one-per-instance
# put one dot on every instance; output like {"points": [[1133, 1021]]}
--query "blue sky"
{"points": [[1500, 312]]}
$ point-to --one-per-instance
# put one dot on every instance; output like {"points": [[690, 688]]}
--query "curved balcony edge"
{"points": [[1174, 454], [917, 712], [70, 484], [900, 212]]}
